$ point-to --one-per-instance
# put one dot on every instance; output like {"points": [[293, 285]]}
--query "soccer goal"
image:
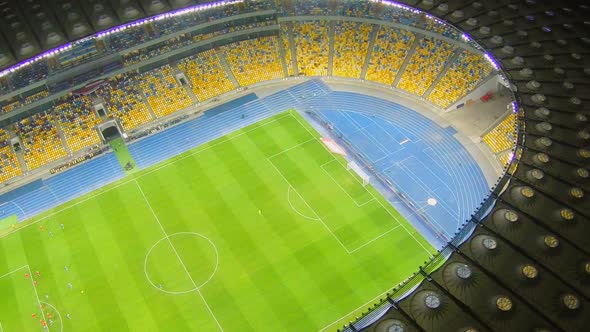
{"points": [[359, 171]]}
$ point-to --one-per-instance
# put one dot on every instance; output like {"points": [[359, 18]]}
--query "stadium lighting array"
{"points": [[120, 28]]}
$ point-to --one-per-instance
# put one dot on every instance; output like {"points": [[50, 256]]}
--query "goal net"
{"points": [[359, 171]]}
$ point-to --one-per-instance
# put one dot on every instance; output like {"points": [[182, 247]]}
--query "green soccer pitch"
{"points": [[261, 230]]}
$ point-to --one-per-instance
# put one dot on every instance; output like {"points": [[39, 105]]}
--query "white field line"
{"points": [[293, 147], [389, 212], [319, 218], [37, 296], [346, 192], [11, 272], [102, 191], [375, 239], [177, 255], [293, 208], [58, 314], [360, 307]]}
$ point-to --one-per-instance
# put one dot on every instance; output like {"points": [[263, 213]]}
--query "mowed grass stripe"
{"points": [[278, 271]]}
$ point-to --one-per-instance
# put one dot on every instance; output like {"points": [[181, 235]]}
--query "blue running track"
{"points": [[421, 159]]}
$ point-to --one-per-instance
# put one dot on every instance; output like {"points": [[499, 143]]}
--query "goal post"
{"points": [[365, 178]]}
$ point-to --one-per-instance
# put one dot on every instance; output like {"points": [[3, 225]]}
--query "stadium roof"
{"points": [[526, 265]]}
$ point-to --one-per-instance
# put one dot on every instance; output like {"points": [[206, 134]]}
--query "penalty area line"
{"points": [[178, 256]]}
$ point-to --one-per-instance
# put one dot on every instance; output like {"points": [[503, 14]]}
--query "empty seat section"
{"points": [[426, 63], [465, 73], [351, 42], [389, 52], [503, 136], [312, 47], [254, 60]]}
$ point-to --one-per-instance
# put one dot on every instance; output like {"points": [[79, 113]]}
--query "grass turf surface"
{"points": [[260, 230]]}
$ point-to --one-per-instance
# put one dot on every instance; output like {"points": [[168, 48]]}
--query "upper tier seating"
{"points": [[78, 121], [425, 64], [208, 77], [312, 47], [124, 102], [16, 103], [9, 166], [40, 139], [467, 71], [351, 42], [503, 136], [163, 92], [389, 52], [254, 60]]}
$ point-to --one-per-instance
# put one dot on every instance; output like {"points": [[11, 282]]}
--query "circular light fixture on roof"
{"points": [[571, 301], [559, 71], [544, 126], [544, 142], [584, 134], [542, 112], [568, 85], [396, 326], [527, 192], [464, 272], [576, 192], [542, 157], [581, 117], [566, 214], [548, 57], [432, 301], [575, 100], [583, 173], [511, 216], [584, 153], [551, 241], [504, 303], [489, 243], [471, 21], [537, 174], [530, 271], [538, 98]]}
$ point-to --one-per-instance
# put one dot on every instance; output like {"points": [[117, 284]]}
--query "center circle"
{"points": [[181, 262]]}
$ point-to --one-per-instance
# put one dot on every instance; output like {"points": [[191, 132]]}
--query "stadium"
{"points": [[294, 165]]}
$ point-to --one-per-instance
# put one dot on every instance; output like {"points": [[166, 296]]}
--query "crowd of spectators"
{"points": [[124, 101], [208, 77], [162, 91], [9, 165], [78, 121], [41, 141]]}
